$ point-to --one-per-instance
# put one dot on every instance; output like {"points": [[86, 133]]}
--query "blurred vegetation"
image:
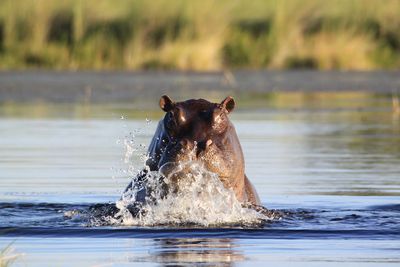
{"points": [[7, 256], [200, 34]]}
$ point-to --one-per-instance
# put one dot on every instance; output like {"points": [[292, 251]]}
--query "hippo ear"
{"points": [[228, 104], [166, 103]]}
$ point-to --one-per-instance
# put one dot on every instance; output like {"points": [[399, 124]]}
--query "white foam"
{"points": [[200, 199]]}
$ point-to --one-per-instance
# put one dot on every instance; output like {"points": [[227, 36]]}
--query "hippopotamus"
{"points": [[200, 130]]}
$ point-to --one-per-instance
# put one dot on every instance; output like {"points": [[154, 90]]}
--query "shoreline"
{"points": [[126, 86]]}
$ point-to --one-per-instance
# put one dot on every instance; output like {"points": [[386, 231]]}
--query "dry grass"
{"points": [[7, 256]]}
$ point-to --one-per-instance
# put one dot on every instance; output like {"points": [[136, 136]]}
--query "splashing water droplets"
{"points": [[182, 193], [188, 195]]}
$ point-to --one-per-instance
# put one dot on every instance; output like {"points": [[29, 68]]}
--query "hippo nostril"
{"points": [[208, 143], [202, 146]]}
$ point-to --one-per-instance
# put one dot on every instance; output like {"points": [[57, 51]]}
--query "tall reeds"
{"points": [[200, 34]]}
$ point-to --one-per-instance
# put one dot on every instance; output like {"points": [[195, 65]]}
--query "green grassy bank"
{"points": [[200, 34]]}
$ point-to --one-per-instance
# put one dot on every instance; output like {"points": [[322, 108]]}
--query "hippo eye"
{"points": [[170, 121]]}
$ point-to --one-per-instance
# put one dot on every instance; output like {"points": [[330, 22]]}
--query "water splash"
{"points": [[185, 193], [189, 195], [198, 199], [134, 151]]}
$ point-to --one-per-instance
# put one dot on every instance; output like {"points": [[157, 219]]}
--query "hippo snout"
{"points": [[191, 150]]}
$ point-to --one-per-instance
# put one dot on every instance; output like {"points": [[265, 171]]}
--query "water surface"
{"points": [[332, 172]]}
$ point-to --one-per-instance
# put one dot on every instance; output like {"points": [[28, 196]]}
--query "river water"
{"points": [[332, 170]]}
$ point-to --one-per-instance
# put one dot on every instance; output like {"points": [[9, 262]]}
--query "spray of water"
{"points": [[183, 193]]}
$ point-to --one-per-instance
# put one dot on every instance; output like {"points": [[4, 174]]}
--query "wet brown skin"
{"points": [[201, 130]]}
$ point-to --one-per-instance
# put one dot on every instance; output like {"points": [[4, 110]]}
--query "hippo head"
{"points": [[195, 129]]}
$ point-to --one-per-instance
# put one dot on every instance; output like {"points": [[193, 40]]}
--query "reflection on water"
{"points": [[206, 252], [271, 101], [285, 154]]}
